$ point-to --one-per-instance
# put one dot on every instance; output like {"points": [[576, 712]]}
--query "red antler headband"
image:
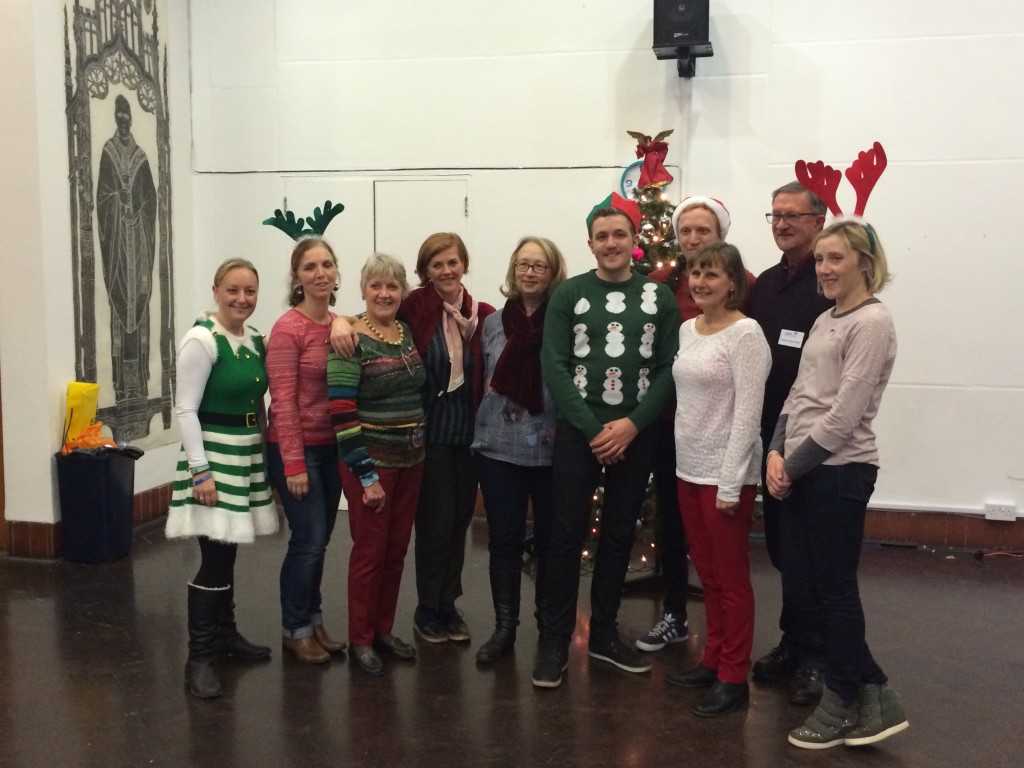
{"points": [[863, 173]]}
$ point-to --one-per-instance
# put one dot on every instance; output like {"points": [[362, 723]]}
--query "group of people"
{"points": [[710, 379]]}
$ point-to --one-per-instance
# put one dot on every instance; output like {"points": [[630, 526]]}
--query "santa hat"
{"points": [[717, 207], [628, 207]]}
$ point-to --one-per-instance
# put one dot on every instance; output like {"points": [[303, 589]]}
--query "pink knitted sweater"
{"points": [[297, 370]]}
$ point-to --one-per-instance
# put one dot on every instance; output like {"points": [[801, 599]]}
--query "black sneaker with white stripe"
{"points": [[671, 629]]}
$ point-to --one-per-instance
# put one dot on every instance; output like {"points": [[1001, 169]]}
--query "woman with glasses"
{"points": [[514, 431]]}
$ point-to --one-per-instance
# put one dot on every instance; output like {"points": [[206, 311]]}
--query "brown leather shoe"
{"points": [[325, 641], [306, 649]]}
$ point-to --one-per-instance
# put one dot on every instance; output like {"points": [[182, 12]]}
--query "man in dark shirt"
{"points": [[786, 303]]}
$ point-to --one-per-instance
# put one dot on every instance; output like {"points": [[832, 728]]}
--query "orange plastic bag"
{"points": [[90, 437]]}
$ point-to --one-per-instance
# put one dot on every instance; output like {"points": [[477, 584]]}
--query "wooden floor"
{"points": [[91, 660]]}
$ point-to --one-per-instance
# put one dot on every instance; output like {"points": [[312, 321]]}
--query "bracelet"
{"points": [[777, 453], [199, 470], [201, 479]]}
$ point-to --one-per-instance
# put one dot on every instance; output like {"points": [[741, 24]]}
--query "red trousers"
{"points": [[720, 548], [380, 539]]}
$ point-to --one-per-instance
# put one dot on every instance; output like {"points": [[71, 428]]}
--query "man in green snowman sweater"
{"points": [[610, 336]]}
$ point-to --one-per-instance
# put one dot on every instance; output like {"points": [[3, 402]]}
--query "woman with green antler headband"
{"points": [[302, 454]]}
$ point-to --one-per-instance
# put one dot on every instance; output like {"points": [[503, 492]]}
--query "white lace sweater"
{"points": [[719, 392]]}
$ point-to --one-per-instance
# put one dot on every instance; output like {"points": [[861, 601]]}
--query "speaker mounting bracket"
{"points": [[686, 58]]}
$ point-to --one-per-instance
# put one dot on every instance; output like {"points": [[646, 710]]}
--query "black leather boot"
{"points": [[505, 585], [204, 613], [230, 641]]}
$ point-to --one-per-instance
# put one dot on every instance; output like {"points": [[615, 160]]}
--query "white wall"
{"points": [[30, 429], [36, 309], [530, 103]]}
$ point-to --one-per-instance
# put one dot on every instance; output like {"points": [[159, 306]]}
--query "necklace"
{"points": [[379, 335]]}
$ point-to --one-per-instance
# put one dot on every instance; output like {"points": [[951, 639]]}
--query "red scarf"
{"points": [[517, 372]]}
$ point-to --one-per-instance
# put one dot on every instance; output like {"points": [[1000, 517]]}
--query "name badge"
{"points": [[793, 339]]}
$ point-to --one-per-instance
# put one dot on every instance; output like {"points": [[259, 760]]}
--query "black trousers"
{"points": [[576, 476], [822, 536], [797, 599], [445, 509], [671, 534]]}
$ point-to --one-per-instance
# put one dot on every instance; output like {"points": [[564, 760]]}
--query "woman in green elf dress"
{"points": [[220, 492]]}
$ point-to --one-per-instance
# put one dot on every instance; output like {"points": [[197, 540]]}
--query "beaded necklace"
{"points": [[406, 357], [379, 335]]}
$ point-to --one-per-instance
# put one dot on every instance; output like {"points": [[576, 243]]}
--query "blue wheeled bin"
{"points": [[96, 492]]}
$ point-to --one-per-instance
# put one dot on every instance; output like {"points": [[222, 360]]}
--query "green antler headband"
{"points": [[295, 227]]}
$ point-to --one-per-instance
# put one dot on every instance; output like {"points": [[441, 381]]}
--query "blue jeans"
{"points": [[311, 522], [821, 545]]}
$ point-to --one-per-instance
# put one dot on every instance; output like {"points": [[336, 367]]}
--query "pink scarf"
{"points": [[457, 329]]}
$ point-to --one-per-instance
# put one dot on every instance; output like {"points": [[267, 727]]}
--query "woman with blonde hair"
{"points": [[220, 493], [377, 414], [515, 429], [824, 459]]}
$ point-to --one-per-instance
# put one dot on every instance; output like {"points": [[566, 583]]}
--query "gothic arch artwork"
{"points": [[115, 79]]}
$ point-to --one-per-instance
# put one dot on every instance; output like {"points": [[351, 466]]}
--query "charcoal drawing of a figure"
{"points": [[126, 205]]}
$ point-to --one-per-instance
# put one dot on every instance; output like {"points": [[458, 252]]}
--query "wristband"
{"points": [[199, 470], [201, 479]]}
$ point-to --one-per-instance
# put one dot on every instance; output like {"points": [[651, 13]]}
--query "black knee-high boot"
{"points": [[505, 584], [229, 640], [204, 613]]}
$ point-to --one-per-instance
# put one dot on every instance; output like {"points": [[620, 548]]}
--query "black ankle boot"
{"points": [[204, 607], [505, 585], [230, 641]]}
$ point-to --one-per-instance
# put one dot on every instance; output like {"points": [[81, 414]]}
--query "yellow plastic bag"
{"points": [[81, 408]]}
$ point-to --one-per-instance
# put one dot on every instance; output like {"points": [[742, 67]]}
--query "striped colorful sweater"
{"points": [[376, 404]]}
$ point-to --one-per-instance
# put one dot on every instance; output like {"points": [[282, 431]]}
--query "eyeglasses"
{"points": [[538, 269], [790, 218]]}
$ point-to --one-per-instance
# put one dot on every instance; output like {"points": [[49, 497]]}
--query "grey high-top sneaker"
{"points": [[880, 715], [828, 725]]}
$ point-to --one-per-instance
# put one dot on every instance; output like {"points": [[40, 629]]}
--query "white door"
{"points": [[407, 211]]}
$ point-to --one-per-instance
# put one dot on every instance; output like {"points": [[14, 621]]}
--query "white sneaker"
{"points": [[669, 630]]}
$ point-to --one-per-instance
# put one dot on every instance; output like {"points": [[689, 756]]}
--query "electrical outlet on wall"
{"points": [[1000, 511]]}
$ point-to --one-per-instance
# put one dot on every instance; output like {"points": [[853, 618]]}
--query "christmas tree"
{"points": [[642, 560], [658, 245]]}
